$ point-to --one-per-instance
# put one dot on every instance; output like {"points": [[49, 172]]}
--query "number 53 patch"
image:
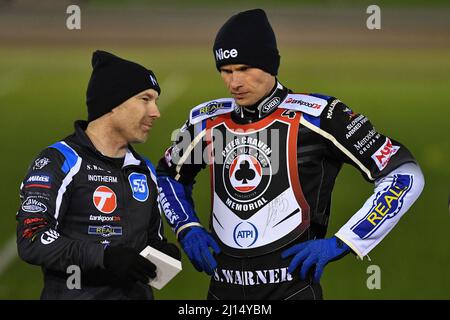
{"points": [[139, 186]]}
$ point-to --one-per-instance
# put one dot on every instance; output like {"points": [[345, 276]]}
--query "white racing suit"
{"points": [[273, 168]]}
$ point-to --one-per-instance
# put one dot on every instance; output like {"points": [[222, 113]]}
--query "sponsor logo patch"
{"points": [[105, 231], [38, 181], [40, 163], [211, 108], [105, 243], [105, 200], [33, 220], [32, 205], [303, 103], [226, 54], [49, 236], [245, 234], [382, 156], [269, 106], [32, 225], [350, 113], [355, 125], [100, 178], [139, 186], [104, 218], [331, 108], [171, 215], [367, 141], [385, 206]]}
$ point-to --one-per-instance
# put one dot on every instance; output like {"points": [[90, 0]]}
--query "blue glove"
{"points": [[195, 243], [315, 252]]}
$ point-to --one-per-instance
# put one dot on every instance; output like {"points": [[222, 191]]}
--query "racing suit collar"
{"points": [[131, 157], [263, 107]]}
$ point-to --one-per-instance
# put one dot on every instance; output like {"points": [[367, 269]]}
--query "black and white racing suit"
{"points": [[273, 168], [74, 203]]}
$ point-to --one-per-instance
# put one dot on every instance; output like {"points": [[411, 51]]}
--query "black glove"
{"points": [[128, 265], [171, 250]]}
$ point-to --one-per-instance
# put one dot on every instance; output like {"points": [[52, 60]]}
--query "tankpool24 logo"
{"points": [[386, 205]]}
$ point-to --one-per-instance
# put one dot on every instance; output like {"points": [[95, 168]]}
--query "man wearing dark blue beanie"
{"points": [[274, 157], [113, 81], [89, 202], [247, 38]]}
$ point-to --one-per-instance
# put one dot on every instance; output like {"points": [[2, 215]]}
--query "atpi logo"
{"points": [[226, 54], [245, 234], [104, 199]]}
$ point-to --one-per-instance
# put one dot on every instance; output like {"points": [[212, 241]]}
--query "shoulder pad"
{"points": [[211, 108], [304, 103], [72, 158]]}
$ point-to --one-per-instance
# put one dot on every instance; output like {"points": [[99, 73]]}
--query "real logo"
{"points": [[386, 205], [105, 231], [38, 181], [211, 107]]}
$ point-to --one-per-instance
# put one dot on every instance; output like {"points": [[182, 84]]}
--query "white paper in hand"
{"points": [[166, 266]]}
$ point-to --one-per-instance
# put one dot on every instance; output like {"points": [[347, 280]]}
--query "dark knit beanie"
{"points": [[113, 81], [247, 38]]}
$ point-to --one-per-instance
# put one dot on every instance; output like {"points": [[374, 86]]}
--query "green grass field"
{"points": [[405, 93]]}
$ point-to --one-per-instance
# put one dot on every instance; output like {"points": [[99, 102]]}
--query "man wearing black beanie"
{"points": [[274, 158], [89, 202]]}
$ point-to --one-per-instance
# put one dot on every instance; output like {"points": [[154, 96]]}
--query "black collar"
{"points": [[131, 157], [263, 107]]}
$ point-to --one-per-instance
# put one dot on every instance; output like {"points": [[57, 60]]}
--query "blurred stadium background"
{"points": [[398, 76]]}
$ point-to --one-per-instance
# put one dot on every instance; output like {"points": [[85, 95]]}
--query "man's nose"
{"points": [[236, 81], [154, 112]]}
